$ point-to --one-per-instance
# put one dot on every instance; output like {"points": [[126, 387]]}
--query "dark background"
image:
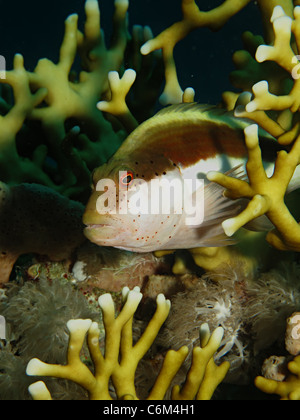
{"points": [[204, 60]]}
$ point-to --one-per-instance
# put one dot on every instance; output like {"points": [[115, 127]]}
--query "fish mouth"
{"points": [[101, 227], [97, 226], [103, 232]]}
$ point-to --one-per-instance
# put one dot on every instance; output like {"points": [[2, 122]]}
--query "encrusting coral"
{"points": [[288, 389], [121, 357], [111, 269], [283, 377]]}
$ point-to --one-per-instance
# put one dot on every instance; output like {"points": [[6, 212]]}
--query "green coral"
{"points": [[56, 105]]}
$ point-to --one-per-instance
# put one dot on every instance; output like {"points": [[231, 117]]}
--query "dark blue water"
{"points": [[35, 28]]}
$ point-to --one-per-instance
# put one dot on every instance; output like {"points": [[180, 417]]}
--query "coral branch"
{"points": [[121, 357], [266, 194], [117, 105], [281, 91], [192, 18], [39, 391], [204, 375]]}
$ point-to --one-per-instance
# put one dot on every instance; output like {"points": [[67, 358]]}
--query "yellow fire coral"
{"points": [[281, 23], [117, 105], [285, 85], [194, 18], [121, 357], [266, 194]]}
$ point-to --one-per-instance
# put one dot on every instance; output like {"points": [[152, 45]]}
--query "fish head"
{"points": [[130, 208]]}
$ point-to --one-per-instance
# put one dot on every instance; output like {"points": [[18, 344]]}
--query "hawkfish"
{"points": [[177, 147]]}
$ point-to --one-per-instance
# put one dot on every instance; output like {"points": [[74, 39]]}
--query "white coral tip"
{"points": [[277, 13], [251, 106], [74, 325], [212, 175], [146, 48], [204, 329], [262, 53], [125, 292], [297, 12], [105, 302], [113, 77], [34, 367], [38, 390], [129, 76], [204, 333], [229, 227], [251, 131], [134, 297], [217, 335], [283, 25], [91, 5], [260, 88], [161, 300]]}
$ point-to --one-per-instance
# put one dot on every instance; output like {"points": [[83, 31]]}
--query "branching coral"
{"points": [[117, 105], [59, 101], [252, 312], [121, 357], [194, 18], [62, 99], [278, 92], [267, 194]]}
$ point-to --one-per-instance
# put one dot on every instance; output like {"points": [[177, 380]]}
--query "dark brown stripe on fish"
{"points": [[190, 144], [187, 144]]}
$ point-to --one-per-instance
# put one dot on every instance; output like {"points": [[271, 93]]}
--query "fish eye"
{"points": [[126, 179]]}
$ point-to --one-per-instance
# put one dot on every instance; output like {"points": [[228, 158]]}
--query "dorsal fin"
{"points": [[186, 107]]}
